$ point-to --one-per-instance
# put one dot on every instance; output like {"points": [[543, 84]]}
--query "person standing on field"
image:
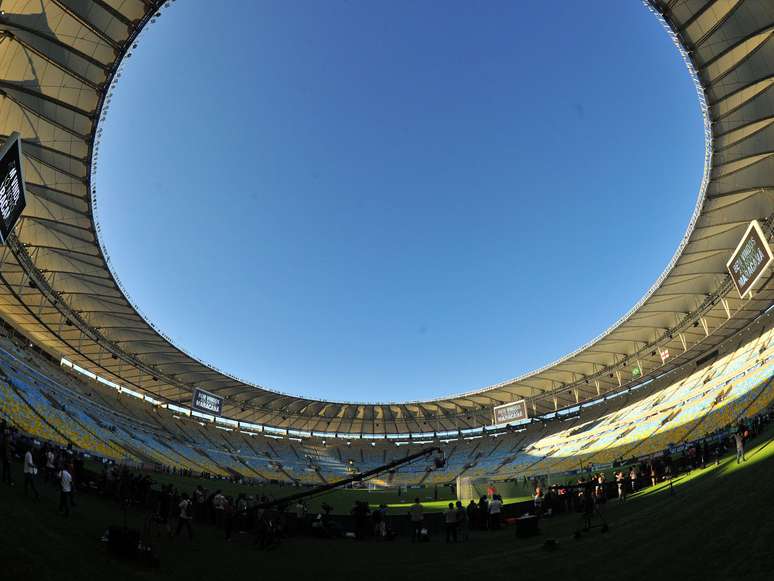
{"points": [[495, 508], [50, 467], [30, 470], [620, 481], [184, 516], [450, 519], [416, 516], [739, 447], [65, 490], [463, 524]]}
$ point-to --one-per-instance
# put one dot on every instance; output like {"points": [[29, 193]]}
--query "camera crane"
{"points": [[323, 488]]}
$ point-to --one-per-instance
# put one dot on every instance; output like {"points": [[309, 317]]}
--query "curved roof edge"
{"points": [[670, 265]]}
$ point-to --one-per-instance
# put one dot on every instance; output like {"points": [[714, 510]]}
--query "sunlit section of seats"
{"points": [[47, 402]]}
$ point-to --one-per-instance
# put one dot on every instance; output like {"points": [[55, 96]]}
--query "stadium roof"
{"points": [[59, 62]]}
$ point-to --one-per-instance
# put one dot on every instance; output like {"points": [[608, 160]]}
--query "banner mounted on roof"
{"points": [[750, 259], [510, 412], [12, 193], [206, 402]]}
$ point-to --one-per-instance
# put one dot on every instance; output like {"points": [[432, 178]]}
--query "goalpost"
{"points": [[469, 489]]}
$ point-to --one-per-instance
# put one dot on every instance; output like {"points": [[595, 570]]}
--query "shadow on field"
{"points": [[712, 523]]}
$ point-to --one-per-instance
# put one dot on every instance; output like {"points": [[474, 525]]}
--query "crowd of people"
{"points": [[633, 476], [177, 513], [242, 513], [458, 519], [55, 465]]}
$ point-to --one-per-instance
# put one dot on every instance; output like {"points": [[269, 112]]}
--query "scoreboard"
{"points": [[750, 259], [206, 402], [510, 412], [12, 198]]}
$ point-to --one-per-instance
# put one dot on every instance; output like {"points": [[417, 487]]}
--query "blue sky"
{"points": [[396, 200]]}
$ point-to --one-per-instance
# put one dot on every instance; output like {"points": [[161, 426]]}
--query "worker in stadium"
{"points": [[483, 513], [219, 507], [323, 525], [739, 439], [463, 524], [379, 520], [229, 511], [266, 530], [65, 489], [361, 513], [30, 471], [450, 520], [472, 511], [417, 517], [199, 499], [241, 505], [184, 516], [538, 501], [667, 462], [298, 520], [164, 508], [495, 512], [50, 464], [620, 481], [587, 499]]}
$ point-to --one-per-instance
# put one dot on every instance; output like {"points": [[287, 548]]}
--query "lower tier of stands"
{"points": [[48, 403]]}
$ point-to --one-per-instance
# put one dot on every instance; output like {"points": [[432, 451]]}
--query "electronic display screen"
{"points": [[12, 198], [207, 403], [750, 259], [510, 412]]}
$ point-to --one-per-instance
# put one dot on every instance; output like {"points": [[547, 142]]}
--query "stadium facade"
{"points": [[60, 61]]}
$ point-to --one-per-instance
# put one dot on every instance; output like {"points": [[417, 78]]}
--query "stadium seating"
{"points": [[49, 403]]}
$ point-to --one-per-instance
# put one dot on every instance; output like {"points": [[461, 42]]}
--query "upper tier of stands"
{"points": [[49, 403]]}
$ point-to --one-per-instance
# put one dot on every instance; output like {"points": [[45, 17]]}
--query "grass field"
{"points": [[440, 505], [340, 500], [717, 524]]}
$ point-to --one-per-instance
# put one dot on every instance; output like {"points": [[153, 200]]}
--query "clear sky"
{"points": [[396, 200]]}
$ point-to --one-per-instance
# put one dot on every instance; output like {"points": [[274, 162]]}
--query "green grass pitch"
{"points": [[717, 523]]}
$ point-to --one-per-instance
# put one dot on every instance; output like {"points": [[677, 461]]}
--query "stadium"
{"points": [[660, 397]]}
